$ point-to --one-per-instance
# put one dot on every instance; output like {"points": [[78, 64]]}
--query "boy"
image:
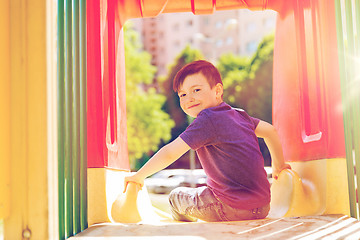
{"points": [[225, 140]]}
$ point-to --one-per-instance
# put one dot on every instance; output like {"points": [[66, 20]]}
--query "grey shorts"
{"points": [[190, 204]]}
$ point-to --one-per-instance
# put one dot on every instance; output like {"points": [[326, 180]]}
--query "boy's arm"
{"points": [[163, 158], [268, 132]]}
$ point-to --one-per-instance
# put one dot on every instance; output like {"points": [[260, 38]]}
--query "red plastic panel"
{"points": [[306, 90], [106, 109], [151, 8]]}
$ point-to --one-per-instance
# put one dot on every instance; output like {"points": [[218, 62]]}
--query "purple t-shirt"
{"points": [[228, 150]]}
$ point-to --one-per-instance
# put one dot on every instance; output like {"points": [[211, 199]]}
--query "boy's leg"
{"points": [[180, 217], [181, 201], [190, 204]]}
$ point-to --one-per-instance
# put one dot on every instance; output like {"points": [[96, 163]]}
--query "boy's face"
{"points": [[195, 94]]}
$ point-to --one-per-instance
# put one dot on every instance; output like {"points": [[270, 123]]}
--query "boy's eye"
{"points": [[197, 90], [182, 95]]}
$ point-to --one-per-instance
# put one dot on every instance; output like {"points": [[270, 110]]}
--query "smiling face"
{"points": [[196, 94]]}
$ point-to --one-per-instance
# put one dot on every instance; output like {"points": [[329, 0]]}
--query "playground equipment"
{"points": [[82, 133], [124, 209]]}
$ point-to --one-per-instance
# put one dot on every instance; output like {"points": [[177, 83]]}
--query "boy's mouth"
{"points": [[195, 105]]}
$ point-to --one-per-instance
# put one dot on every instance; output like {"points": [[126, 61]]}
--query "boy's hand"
{"points": [[135, 179], [276, 170]]}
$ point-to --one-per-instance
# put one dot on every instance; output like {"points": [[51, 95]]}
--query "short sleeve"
{"points": [[199, 133], [255, 121]]}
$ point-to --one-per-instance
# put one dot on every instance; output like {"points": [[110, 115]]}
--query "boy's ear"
{"points": [[219, 89]]}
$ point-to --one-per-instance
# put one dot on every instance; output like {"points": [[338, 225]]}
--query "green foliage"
{"points": [[147, 124], [264, 53], [232, 69], [248, 81], [137, 62]]}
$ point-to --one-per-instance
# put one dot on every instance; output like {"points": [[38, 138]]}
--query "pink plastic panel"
{"points": [[106, 109], [306, 91]]}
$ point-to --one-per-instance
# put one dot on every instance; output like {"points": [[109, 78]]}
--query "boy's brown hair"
{"points": [[209, 71]]}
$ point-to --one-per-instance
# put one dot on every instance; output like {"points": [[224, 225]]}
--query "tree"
{"points": [[147, 124], [248, 81], [234, 71]]}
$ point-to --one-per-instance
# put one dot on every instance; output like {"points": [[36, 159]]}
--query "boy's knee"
{"points": [[173, 194], [178, 207], [176, 197]]}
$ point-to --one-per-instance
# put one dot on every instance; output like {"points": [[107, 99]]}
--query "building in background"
{"points": [[165, 36], [218, 34], [235, 31], [253, 26]]}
